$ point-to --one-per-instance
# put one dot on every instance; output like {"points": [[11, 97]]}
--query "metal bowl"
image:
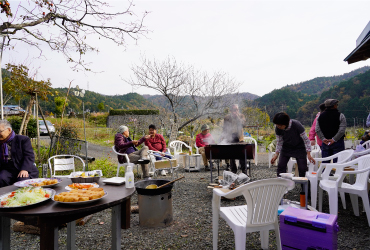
{"points": [[141, 187]]}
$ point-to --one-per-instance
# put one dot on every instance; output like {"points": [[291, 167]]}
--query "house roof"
{"points": [[362, 50]]}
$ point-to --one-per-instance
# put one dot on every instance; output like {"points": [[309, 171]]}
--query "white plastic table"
{"points": [[193, 158]]}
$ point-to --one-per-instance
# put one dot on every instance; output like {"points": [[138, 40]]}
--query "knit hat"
{"points": [[330, 102], [204, 127]]}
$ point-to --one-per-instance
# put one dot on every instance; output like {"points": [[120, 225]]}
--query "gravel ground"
{"points": [[192, 226]]}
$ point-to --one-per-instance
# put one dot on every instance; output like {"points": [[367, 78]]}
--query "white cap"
{"points": [[129, 168]]}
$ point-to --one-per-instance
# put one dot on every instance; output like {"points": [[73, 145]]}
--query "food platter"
{"points": [[50, 191], [78, 203], [93, 185], [29, 182]]}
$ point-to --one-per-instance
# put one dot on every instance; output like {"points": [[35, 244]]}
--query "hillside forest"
{"points": [[299, 100]]}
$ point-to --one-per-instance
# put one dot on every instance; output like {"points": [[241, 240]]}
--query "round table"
{"points": [[49, 215]]}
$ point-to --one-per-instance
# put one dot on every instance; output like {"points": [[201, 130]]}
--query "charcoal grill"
{"points": [[238, 150], [155, 205]]}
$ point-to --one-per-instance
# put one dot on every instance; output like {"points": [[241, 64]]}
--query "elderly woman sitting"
{"points": [[16, 156], [123, 144]]}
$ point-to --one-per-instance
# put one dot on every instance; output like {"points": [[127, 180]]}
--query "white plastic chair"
{"points": [[195, 146], [252, 140], [348, 144], [271, 154], [177, 149], [260, 213], [315, 151], [359, 188], [361, 153], [63, 163], [342, 157], [366, 144], [127, 163]]}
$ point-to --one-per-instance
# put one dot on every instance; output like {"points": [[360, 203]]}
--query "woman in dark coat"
{"points": [[292, 141], [16, 156]]}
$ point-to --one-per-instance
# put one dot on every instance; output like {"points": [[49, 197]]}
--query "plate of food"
{"points": [[86, 177], [286, 175], [26, 196], [39, 182], [115, 181], [82, 186], [80, 196]]}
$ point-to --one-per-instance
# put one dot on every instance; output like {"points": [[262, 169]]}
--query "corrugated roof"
{"points": [[361, 52]]}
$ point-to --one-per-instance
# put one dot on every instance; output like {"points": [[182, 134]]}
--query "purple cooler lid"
{"points": [[316, 219]]}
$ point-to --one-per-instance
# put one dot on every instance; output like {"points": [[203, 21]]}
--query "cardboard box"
{"points": [[165, 163], [305, 229]]}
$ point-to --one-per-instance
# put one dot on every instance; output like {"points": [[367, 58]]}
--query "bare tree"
{"points": [[66, 25], [189, 92]]}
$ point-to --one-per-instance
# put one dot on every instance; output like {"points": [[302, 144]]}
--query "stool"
{"points": [[193, 162], [305, 186]]}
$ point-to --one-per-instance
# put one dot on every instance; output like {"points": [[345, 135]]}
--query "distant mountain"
{"points": [[92, 99], [161, 101], [319, 84], [247, 96], [293, 97], [353, 96]]}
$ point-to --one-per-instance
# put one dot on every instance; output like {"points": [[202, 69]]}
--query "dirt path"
{"points": [[98, 151]]}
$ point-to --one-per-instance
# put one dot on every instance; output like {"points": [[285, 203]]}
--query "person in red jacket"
{"points": [[312, 133], [201, 141], [157, 143]]}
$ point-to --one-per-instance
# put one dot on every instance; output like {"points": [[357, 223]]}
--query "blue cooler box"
{"points": [[308, 230]]}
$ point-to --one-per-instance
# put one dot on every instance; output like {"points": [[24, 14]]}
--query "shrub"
{"points": [[359, 133], [16, 122], [69, 130], [108, 168], [269, 139], [99, 120]]}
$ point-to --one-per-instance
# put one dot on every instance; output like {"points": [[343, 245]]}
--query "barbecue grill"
{"points": [[155, 205], [236, 150]]}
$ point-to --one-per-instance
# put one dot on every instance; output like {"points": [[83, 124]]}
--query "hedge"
{"points": [[133, 112], [16, 122]]}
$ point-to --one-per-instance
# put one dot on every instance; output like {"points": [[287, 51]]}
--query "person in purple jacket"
{"points": [[123, 144], [16, 156]]}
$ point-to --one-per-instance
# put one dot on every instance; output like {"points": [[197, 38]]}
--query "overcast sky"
{"points": [[263, 44]]}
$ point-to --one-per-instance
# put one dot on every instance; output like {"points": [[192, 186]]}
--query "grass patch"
{"points": [[108, 167]]}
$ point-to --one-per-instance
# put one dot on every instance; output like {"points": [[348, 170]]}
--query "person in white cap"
{"points": [[331, 128], [201, 141]]}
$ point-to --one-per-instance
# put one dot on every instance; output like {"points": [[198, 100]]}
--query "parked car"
{"points": [[43, 129]]}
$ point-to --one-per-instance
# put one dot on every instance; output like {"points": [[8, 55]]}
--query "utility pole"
{"points": [[1, 79]]}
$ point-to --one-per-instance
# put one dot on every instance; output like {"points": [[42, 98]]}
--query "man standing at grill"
{"points": [[331, 128], [233, 132]]}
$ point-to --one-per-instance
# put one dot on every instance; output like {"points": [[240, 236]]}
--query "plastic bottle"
{"points": [[302, 199], [129, 177]]}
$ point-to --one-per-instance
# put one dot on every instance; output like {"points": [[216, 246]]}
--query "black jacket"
{"points": [[23, 156]]}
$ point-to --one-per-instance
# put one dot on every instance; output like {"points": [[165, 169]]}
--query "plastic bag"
{"points": [[359, 148], [230, 178]]}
